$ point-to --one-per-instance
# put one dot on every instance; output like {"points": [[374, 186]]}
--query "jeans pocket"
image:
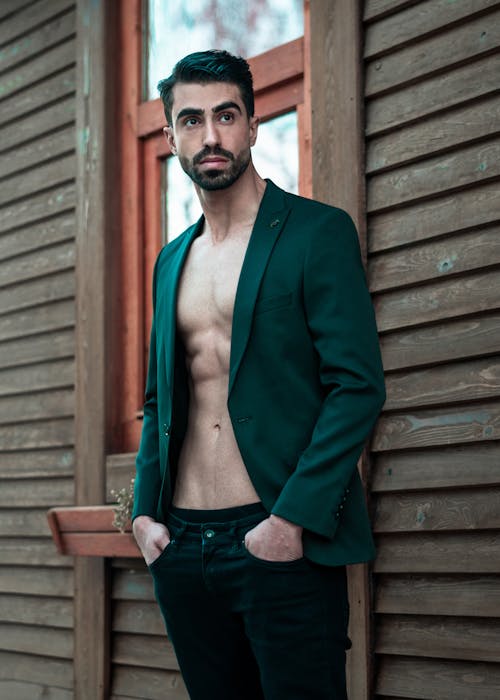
{"points": [[267, 563], [162, 556]]}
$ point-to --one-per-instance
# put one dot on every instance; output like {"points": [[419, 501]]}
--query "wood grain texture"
{"points": [[454, 466], [37, 463], [375, 9], [37, 435], [21, 77], [42, 319], [454, 510], [428, 679], [466, 166], [431, 135], [54, 374], [39, 670], [440, 52], [41, 262], [24, 522], [439, 637], [47, 581], [49, 34], [40, 96], [468, 294], [473, 207], [32, 610], [57, 229], [434, 553], [42, 641], [443, 425], [24, 690], [417, 21], [452, 340], [34, 153], [57, 403], [24, 493], [26, 300], [28, 18], [133, 584], [41, 205], [10, 7], [464, 596], [422, 262], [54, 116], [120, 470], [36, 348], [31, 551], [460, 381], [436, 93], [137, 617], [38, 178], [146, 651], [160, 684]]}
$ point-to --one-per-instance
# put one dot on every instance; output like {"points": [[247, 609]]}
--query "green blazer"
{"points": [[305, 381]]}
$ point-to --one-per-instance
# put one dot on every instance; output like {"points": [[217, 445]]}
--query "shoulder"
{"points": [[320, 222]]}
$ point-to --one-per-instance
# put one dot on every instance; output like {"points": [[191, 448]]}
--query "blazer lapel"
{"points": [[270, 220], [166, 299]]}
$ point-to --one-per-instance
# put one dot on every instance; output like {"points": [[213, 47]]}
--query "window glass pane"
{"points": [[275, 155], [176, 29]]}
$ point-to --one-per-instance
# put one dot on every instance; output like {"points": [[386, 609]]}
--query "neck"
{"points": [[235, 208]]}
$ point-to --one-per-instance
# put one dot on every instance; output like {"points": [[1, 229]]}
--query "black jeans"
{"points": [[244, 628]]}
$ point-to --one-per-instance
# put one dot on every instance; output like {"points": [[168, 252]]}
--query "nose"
{"points": [[211, 134]]}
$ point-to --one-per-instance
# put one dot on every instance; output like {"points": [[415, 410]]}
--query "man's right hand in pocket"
{"points": [[151, 536]]}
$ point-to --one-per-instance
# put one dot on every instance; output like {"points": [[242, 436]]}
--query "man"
{"points": [[264, 383]]}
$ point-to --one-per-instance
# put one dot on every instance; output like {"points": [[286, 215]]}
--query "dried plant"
{"points": [[123, 508]]}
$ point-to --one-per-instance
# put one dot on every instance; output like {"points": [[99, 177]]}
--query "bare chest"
{"points": [[208, 284]]}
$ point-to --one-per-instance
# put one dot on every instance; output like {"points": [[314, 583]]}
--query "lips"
{"points": [[214, 160]]}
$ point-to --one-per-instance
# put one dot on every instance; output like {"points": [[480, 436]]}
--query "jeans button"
{"points": [[209, 534]]}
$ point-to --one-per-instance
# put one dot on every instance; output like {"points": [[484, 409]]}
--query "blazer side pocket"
{"points": [[271, 303]]}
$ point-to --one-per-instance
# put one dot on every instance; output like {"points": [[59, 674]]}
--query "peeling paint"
{"points": [[468, 417], [423, 511]]}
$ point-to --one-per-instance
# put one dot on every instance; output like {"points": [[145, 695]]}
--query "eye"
{"points": [[226, 117], [191, 121]]}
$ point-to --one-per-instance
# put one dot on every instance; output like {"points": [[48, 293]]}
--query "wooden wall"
{"points": [[433, 198], [37, 220], [143, 663]]}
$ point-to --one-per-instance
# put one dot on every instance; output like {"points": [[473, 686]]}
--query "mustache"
{"points": [[217, 151]]}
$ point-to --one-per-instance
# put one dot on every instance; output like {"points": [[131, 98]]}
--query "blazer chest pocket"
{"points": [[277, 301]]}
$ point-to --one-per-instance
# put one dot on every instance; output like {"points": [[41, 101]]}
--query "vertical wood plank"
{"points": [[95, 201], [337, 108], [338, 179]]}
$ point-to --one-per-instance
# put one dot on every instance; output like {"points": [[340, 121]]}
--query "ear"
{"points": [[169, 135], [253, 127]]}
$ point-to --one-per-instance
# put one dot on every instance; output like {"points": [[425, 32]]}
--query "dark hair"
{"points": [[209, 67]]}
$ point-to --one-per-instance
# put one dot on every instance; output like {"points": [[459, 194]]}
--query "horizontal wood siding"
{"points": [[433, 201], [37, 318], [143, 660]]}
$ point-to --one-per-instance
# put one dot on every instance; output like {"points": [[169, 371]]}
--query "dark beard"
{"points": [[212, 180]]}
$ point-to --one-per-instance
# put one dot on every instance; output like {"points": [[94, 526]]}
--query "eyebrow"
{"points": [[196, 111]]}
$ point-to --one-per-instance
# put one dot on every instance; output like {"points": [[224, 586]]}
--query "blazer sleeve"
{"points": [[147, 483], [341, 322]]}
